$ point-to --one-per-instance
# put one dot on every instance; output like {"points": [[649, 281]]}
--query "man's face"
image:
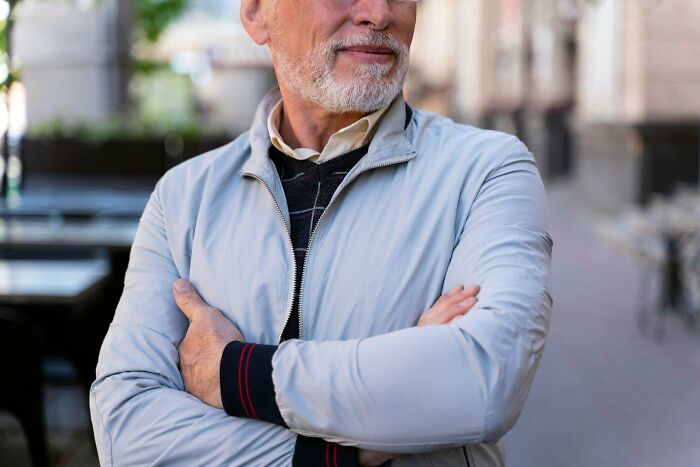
{"points": [[342, 55]]}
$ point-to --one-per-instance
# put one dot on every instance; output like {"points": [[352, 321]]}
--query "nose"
{"points": [[376, 14]]}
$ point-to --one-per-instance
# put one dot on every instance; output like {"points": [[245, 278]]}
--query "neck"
{"points": [[305, 125]]}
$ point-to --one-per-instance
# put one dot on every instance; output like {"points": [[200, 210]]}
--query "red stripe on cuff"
{"points": [[240, 387], [335, 455], [247, 387]]}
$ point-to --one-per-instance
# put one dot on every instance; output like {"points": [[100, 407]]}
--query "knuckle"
{"points": [[187, 300]]}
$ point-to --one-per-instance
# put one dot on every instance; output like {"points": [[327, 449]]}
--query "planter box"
{"points": [[129, 158]]}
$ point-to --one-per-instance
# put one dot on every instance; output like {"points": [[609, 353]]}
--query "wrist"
{"points": [[317, 451], [247, 389]]}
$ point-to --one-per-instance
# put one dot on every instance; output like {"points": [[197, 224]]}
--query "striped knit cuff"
{"points": [[247, 389], [318, 452]]}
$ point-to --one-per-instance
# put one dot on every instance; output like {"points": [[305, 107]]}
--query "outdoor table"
{"points": [[661, 234], [50, 282], [58, 297], [115, 234], [71, 287], [82, 197]]}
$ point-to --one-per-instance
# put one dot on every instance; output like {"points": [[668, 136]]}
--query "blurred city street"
{"points": [[606, 393], [100, 98]]}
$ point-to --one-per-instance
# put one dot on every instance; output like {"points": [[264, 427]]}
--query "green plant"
{"points": [[8, 71], [119, 129], [152, 17]]}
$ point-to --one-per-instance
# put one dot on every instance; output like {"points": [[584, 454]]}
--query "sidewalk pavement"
{"points": [[607, 393]]}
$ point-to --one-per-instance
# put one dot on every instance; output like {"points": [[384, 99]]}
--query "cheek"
{"points": [[406, 25], [303, 24]]}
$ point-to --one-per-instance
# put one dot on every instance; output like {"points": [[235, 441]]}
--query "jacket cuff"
{"points": [[247, 389], [318, 452]]}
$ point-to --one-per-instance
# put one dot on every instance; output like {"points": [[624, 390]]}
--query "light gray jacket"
{"points": [[429, 207]]}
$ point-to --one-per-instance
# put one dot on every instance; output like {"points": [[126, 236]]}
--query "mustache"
{"points": [[369, 38]]}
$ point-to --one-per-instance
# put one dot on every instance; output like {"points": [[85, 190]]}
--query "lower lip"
{"points": [[366, 57]]}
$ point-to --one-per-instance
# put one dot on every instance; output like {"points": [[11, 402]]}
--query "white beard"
{"points": [[371, 88]]}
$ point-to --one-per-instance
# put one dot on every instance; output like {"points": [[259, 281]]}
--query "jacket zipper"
{"points": [[294, 263], [345, 183]]}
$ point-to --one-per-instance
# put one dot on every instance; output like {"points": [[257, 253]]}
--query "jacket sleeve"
{"points": [[140, 412], [421, 389]]}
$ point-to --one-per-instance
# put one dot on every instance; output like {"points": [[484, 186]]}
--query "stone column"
{"points": [[431, 81], [475, 56], [551, 74], [72, 59]]}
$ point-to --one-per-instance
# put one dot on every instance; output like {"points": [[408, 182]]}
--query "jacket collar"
{"points": [[390, 141]]}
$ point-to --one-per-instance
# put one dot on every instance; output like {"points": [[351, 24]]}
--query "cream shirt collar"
{"points": [[348, 139]]}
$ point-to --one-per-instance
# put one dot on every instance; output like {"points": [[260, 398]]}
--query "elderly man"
{"points": [[273, 308]]}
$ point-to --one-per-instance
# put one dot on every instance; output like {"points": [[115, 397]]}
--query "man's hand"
{"points": [[201, 349], [210, 332], [452, 305]]}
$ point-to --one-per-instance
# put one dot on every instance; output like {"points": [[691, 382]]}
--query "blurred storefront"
{"points": [[638, 95], [605, 93], [73, 59]]}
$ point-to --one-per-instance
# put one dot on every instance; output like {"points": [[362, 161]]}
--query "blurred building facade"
{"points": [[236, 72], [638, 98], [77, 60], [73, 58], [605, 92]]}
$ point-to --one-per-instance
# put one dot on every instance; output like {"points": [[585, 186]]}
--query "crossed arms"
{"points": [[414, 390]]}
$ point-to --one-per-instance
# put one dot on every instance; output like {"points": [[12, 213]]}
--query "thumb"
{"points": [[187, 299]]}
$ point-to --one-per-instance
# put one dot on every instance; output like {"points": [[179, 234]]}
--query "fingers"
{"points": [[471, 291], [457, 294], [450, 295], [453, 304], [448, 313], [458, 309], [188, 300]]}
